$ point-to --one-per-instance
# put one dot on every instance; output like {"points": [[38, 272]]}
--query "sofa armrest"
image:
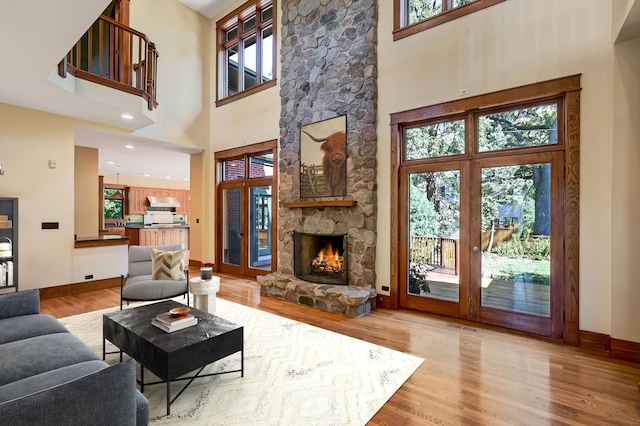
{"points": [[25, 302], [106, 397]]}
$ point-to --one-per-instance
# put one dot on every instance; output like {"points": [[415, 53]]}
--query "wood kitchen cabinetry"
{"points": [[158, 236], [137, 202]]}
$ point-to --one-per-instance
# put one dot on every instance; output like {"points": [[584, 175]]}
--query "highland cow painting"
{"points": [[323, 158]]}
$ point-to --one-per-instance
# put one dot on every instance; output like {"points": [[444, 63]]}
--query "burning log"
{"points": [[328, 261]]}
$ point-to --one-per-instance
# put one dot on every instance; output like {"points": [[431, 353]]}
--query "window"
{"points": [[113, 204], [246, 50], [413, 16]]}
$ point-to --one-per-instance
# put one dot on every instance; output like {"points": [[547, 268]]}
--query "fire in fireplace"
{"points": [[320, 258]]}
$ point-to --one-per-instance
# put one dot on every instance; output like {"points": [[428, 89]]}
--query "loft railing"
{"points": [[116, 56]]}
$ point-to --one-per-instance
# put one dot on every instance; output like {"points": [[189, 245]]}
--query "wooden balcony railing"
{"points": [[116, 56]]}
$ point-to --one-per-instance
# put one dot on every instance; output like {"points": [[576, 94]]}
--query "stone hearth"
{"points": [[340, 299]]}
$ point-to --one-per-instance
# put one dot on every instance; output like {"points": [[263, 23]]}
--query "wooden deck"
{"points": [[499, 294]]}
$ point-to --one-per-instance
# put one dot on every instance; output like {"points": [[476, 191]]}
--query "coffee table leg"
{"points": [[242, 363], [141, 379], [104, 349], [168, 397]]}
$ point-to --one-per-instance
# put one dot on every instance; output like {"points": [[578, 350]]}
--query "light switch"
{"points": [[52, 164]]}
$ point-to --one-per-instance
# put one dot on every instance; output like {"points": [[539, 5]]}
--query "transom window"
{"points": [[246, 50], [413, 16]]}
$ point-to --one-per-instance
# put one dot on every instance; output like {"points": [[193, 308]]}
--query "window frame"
{"points": [[250, 9], [400, 11]]}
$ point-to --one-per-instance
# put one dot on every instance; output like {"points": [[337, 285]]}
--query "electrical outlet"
{"points": [[88, 277]]}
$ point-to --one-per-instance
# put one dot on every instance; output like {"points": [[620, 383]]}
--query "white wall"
{"points": [[28, 140], [625, 291], [514, 43], [247, 121], [182, 39]]}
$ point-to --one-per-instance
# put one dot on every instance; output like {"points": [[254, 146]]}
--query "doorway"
{"points": [[484, 214], [245, 213]]}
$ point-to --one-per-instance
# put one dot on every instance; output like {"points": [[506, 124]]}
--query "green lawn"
{"points": [[522, 270]]}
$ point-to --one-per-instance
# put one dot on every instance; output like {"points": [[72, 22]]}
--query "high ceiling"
{"points": [[30, 84]]}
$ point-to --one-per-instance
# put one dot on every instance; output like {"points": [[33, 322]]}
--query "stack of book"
{"points": [[170, 323]]}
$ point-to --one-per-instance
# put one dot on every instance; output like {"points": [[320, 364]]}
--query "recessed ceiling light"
{"points": [[129, 146], [167, 177], [110, 162], [127, 116], [186, 178], [146, 175]]}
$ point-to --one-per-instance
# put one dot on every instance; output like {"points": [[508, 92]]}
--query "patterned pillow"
{"points": [[167, 265]]}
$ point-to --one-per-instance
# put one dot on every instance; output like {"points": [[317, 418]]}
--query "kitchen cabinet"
{"points": [[184, 199], [8, 243], [136, 202], [158, 236]]}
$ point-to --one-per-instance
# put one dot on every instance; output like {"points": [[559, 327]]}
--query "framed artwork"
{"points": [[323, 158]]}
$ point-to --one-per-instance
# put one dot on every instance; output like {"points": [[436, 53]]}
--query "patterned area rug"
{"points": [[295, 374]]}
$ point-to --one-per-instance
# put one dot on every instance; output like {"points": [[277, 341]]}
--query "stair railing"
{"points": [[117, 56]]}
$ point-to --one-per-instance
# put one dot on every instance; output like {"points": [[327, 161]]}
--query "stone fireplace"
{"points": [[320, 258], [328, 69]]}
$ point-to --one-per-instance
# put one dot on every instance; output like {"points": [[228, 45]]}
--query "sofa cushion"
{"points": [[36, 355], [26, 326], [106, 397], [144, 288], [167, 265], [24, 302], [48, 379]]}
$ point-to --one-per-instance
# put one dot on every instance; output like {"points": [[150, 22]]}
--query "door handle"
{"points": [[475, 249]]}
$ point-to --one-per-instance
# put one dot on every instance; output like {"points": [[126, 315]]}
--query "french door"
{"points": [[475, 251], [486, 210], [245, 219]]}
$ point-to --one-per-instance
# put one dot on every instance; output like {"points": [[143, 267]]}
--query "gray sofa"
{"points": [[137, 285], [48, 376]]}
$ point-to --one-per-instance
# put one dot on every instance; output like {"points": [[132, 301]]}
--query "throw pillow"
{"points": [[167, 265]]}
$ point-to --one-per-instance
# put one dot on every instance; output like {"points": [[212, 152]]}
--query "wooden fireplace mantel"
{"points": [[320, 203]]}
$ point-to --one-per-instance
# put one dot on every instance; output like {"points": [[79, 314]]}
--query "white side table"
{"points": [[204, 293]]}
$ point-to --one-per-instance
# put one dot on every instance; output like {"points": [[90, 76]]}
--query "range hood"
{"points": [[163, 201]]}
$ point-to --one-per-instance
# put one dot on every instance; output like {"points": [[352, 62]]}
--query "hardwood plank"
{"points": [[472, 374]]}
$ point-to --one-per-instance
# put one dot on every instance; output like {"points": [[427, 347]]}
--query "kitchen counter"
{"points": [[101, 241]]}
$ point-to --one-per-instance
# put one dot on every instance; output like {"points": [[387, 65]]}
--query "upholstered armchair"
{"points": [[155, 277]]}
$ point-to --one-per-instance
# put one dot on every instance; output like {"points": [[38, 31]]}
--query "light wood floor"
{"points": [[471, 375]]}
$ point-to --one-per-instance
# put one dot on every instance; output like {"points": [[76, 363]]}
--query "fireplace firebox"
{"points": [[320, 258]]}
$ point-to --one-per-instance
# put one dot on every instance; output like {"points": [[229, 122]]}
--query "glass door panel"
{"points": [[260, 227], [434, 235], [232, 226], [516, 238]]}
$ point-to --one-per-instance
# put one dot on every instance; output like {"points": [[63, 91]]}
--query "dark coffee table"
{"points": [[172, 355]]}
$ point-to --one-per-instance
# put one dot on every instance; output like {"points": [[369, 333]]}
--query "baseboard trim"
{"points": [[76, 288], [198, 264], [624, 349], [383, 301], [596, 342]]}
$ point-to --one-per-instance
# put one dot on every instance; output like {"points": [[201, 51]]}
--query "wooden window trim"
{"points": [[567, 88], [236, 18], [401, 30]]}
